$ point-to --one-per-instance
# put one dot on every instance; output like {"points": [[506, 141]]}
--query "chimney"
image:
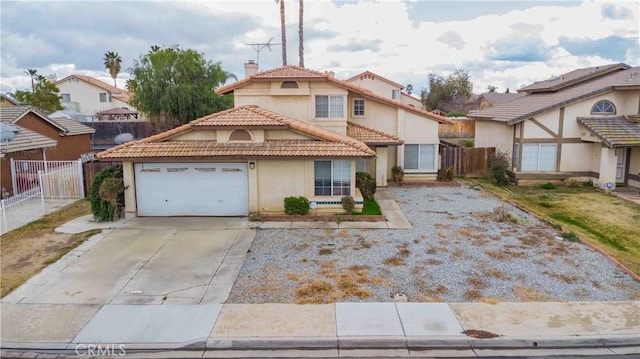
{"points": [[250, 68]]}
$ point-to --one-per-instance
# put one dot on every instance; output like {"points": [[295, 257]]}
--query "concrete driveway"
{"points": [[146, 261]]}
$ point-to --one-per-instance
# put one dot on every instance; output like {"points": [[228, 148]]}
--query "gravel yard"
{"points": [[465, 246]]}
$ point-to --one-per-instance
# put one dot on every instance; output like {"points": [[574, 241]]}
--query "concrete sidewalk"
{"points": [[605, 328]]}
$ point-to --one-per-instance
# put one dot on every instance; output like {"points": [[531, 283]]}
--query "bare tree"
{"points": [[301, 33]]}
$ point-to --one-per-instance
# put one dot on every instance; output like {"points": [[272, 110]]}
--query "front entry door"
{"points": [[621, 164]]}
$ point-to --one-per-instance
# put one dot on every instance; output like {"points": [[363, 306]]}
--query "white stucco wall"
{"points": [[494, 134], [88, 97]]}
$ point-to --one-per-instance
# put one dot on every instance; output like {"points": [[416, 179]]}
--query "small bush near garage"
{"points": [[446, 174], [296, 205], [366, 184], [107, 194]]}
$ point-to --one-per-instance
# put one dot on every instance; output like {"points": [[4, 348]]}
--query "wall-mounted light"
{"points": [[252, 165]]}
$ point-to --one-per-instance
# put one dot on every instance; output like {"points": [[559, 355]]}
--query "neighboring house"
{"points": [[583, 124], [292, 132], [19, 143], [489, 99], [73, 138], [68, 114], [384, 87], [89, 95], [6, 101], [112, 133]]}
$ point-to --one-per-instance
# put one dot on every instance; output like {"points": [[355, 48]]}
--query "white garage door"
{"points": [[192, 189]]}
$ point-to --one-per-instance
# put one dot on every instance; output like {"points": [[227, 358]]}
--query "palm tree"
{"points": [[112, 63], [283, 30], [301, 34], [32, 73]]}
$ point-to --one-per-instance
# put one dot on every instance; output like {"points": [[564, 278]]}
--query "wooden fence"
{"points": [[462, 128], [470, 162], [91, 169]]}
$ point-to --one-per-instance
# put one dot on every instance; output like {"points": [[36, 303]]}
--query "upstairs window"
{"points": [[329, 106], [395, 94], [603, 107], [105, 97], [65, 97], [358, 107]]}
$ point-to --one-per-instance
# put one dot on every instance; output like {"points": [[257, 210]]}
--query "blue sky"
{"points": [[500, 43]]}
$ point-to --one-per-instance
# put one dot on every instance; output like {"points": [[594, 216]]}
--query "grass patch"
{"points": [[569, 237], [598, 218], [394, 261], [369, 208], [25, 251]]}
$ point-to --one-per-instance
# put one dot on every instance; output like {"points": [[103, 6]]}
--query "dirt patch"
{"points": [[480, 334]]}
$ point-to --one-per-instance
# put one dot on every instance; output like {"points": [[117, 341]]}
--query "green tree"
{"points": [[33, 73], [112, 62], [449, 94], [283, 32], [492, 88], [173, 86], [45, 96]]}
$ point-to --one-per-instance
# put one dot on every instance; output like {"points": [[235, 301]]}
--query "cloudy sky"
{"points": [[500, 43]]}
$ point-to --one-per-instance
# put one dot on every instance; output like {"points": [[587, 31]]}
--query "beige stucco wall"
{"points": [[128, 178], [88, 97], [278, 179], [375, 85], [494, 134], [580, 157]]}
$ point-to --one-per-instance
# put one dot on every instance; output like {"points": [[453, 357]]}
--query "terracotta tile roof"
{"points": [[530, 105], [66, 126], [295, 72], [371, 136], [572, 77], [327, 143], [614, 131], [25, 139], [395, 84], [270, 148], [120, 94]]}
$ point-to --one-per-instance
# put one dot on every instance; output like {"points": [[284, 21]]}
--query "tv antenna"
{"points": [[261, 46]]}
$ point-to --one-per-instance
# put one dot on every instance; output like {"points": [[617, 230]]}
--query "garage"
{"points": [[192, 189]]}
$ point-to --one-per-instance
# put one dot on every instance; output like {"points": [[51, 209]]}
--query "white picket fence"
{"points": [[49, 188]]}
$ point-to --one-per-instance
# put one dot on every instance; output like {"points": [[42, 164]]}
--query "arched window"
{"points": [[289, 85], [603, 107], [240, 135]]}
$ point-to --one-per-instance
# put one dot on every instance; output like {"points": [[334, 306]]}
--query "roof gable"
{"points": [[66, 126], [296, 72], [369, 73], [25, 140], [327, 143]]}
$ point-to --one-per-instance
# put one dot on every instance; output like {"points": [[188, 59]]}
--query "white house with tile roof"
{"points": [[583, 124], [89, 95], [292, 132]]}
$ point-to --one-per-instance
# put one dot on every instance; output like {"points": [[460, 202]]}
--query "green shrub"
{"points": [[570, 237], [296, 205], [468, 143], [588, 183], [548, 185], [107, 194], [446, 174], [366, 184], [397, 173], [573, 183], [348, 203], [500, 164]]}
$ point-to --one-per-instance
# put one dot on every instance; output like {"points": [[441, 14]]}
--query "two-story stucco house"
{"points": [[292, 132], [89, 95], [583, 124]]}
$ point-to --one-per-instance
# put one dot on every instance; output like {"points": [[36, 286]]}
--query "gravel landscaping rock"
{"points": [[465, 246]]}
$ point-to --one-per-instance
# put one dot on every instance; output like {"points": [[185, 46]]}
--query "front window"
{"points": [[516, 155], [332, 178], [330, 106], [603, 107], [103, 97], [538, 157], [358, 107], [420, 157], [65, 97]]}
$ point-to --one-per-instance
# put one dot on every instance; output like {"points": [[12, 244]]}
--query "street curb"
{"points": [[355, 342]]}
